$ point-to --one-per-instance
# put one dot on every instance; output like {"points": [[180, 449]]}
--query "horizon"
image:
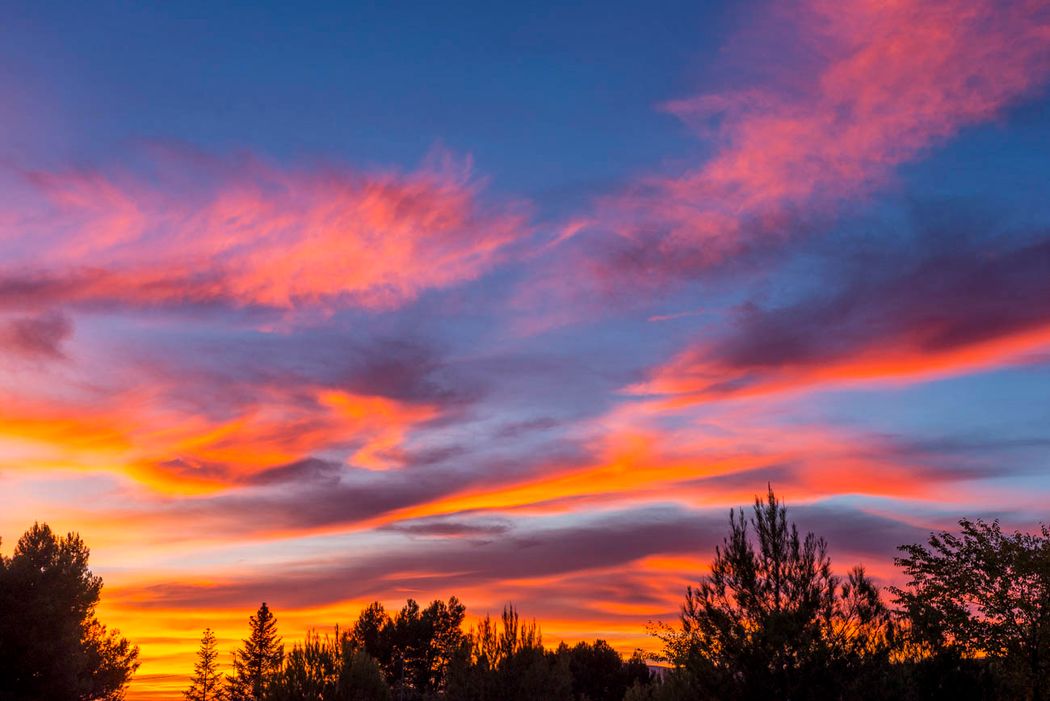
{"points": [[320, 306]]}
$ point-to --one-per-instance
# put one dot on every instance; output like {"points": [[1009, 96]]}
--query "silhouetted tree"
{"points": [[772, 621], [52, 648], [506, 661], [206, 684], [415, 647], [259, 659], [371, 632], [311, 670], [361, 678], [981, 595], [599, 673], [421, 643]]}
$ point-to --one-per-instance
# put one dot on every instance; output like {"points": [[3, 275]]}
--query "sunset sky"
{"points": [[319, 304]]}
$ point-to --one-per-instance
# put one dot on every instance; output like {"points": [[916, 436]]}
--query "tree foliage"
{"points": [[599, 673], [362, 678], [982, 594], [52, 647], [505, 659], [258, 661], [772, 621], [207, 683]]}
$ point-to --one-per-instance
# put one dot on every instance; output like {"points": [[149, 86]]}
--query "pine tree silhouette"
{"points": [[206, 684], [258, 660]]}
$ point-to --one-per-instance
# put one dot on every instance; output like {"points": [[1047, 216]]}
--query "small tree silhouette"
{"points": [[206, 684], [258, 660]]}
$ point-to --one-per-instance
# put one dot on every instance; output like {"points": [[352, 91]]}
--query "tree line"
{"points": [[417, 653], [770, 621]]}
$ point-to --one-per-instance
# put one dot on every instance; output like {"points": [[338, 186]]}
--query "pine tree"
{"points": [[52, 646], [772, 621], [206, 683], [258, 660]]}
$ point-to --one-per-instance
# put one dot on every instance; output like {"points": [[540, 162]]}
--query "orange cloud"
{"points": [[176, 450], [695, 377], [638, 462], [905, 320]]}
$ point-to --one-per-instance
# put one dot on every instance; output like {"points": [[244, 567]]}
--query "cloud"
{"points": [[241, 232], [609, 540], [36, 337], [540, 550], [907, 316], [450, 528], [142, 432], [862, 88]]}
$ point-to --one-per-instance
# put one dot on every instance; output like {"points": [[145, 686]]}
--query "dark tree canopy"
{"points": [[505, 660], [415, 646], [599, 673], [983, 594], [772, 621], [311, 670], [361, 678], [52, 647]]}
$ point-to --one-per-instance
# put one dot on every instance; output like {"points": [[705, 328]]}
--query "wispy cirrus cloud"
{"points": [[192, 229], [260, 402], [864, 88]]}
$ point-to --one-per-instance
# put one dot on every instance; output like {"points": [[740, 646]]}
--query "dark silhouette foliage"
{"points": [[505, 659], [978, 607], [52, 647], [361, 678], [258, 661], [414, 647], [207, 683], [599, 673], [772, 621]]}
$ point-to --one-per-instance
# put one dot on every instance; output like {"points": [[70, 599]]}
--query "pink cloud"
{"points": [[882, 82], [248, 233]]}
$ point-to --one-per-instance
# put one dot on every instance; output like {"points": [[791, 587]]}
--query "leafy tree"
{"points": [[258, 660], [982, 594], [415, 647], [599, 673], [329, 668], [52, 647], [371, 632], [311, 670], [361, 678], [772, 621], [206, 684], [505, 660]]}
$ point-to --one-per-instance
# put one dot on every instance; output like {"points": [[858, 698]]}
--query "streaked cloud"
{"points": [[898, 318], [863, 88], [197, 229]]}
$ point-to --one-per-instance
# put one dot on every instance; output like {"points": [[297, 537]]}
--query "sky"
{"points": [[320, 304]]}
